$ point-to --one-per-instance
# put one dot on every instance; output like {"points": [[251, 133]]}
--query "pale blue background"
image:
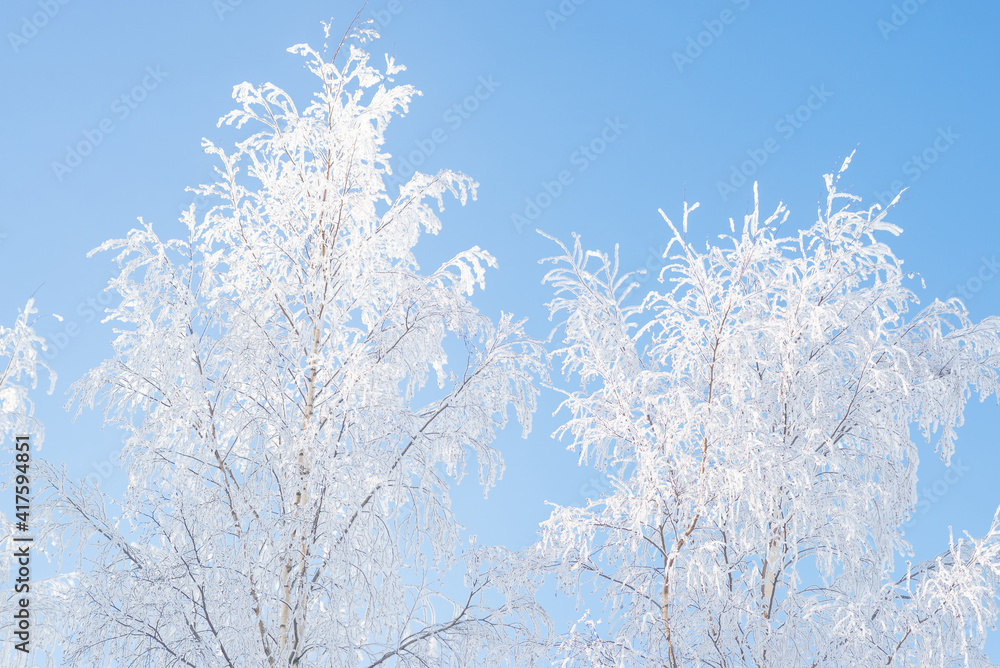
{"points": [[891, 94]]}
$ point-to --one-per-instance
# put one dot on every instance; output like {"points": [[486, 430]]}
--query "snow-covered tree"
{"points": [[297, 396], [755, 424], [20, 367]]}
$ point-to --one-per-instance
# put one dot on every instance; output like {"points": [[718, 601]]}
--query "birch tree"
{"points": [[296, 397], [21, 365], [754, 419]]}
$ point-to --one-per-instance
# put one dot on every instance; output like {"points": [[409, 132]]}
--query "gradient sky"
{"points": [[683, 94]]}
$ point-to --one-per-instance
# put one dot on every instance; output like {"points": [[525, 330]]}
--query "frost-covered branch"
{"points": [[754, 419], [297, 397]]}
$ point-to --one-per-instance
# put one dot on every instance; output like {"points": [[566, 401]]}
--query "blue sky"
{"points": [[632, 106]]}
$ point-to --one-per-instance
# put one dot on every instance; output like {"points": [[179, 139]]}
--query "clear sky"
{"points": [[637, 104]]}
